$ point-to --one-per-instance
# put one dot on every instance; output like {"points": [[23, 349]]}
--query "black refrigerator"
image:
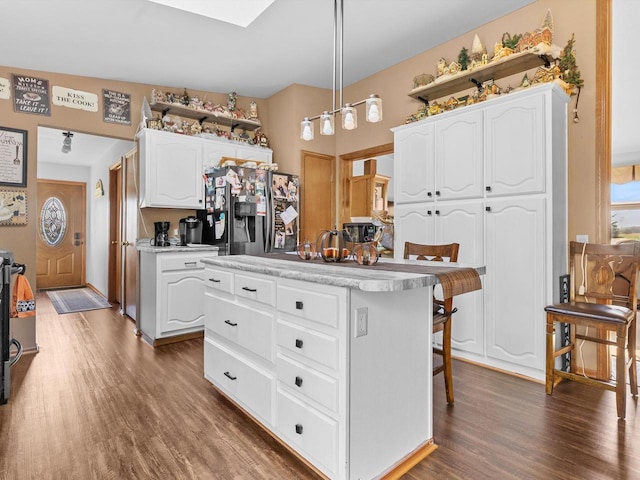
{"points": [[250, 211], [6, 342]]}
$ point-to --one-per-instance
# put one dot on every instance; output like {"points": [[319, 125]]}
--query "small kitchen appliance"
{"points": [[190, 230], [161, 237]]}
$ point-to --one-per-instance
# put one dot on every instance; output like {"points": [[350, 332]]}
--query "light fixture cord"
{"points": [[341, 48], [335, 50]]}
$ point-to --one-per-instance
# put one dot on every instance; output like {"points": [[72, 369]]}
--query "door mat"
{"points": [[77, 300]]}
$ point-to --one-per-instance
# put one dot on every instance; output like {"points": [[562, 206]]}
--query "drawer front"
{"points": [[178, 261], [308, 382], [312, 305], [256, 288], [245, 383], [309, 432], [308, 343], [218, 279], [245, 326]]}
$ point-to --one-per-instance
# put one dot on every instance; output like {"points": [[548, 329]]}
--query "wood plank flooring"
{"points": [[98, 403]]}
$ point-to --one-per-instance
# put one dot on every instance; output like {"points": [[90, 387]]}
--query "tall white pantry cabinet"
{"points": [[493, 178]]}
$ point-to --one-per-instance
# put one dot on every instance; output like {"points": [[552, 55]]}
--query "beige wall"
{"points": [[281, 114]]}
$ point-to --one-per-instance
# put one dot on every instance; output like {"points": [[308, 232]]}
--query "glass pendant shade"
{"points": [[66, 145], [374, 109], [349, 117], [326, 124], [306, 129]]}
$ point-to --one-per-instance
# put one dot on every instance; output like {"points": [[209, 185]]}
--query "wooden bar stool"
{"points": [[442, 309], [603, 301]]}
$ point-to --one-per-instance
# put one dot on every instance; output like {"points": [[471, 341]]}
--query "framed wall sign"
{"points": [[13, 207], [13, 157]]}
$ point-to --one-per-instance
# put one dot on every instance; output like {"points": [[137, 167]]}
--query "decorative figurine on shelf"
{"points": [[196, 103], [543, 34], [422, 80], [443, 69], [525, 81], [208, 106], [253, 110], [184, 99], [477, 49], [171, 98], [260, 139], [195, 128], [463, 58], [231, 101]]}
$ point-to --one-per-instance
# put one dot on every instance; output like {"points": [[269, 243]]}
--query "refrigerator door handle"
{"points": [[269, 223]]}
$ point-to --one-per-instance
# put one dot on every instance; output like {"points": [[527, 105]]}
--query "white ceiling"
{"points": [[291, 42]]}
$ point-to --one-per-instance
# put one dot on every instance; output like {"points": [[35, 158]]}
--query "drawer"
{"points": [[308, 343], [177, 261], [313, 305], [250, 328], [309, 432], [252, 387], [218, 279], [256, 288], [308, 382]]}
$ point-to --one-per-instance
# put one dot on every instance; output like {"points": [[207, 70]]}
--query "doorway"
{"points": [[60, 248]]}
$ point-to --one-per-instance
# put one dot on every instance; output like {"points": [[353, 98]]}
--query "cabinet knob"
{"points": [[487, 209], [299, 305], [298, 381], [298, 429], [429, 194], [487, 188], [429, 212], [229, 322], [437, 212], [437, 193], [298, 343], [228, 375]]}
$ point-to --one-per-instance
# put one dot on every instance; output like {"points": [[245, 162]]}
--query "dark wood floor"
{"points": [[98, 403]]}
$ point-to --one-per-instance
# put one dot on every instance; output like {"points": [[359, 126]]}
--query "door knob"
{"points": [[114, 242], [125, 243]]}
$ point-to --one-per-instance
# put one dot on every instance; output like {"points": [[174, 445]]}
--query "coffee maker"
{"points": [[190, 230], [161, 237]]}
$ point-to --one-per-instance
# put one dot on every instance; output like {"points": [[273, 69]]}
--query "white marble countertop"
{"points": [[144, 245], [362, 278]]}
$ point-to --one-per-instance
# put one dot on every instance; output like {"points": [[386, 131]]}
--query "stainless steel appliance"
{"points": [[360, 232], [250, 211], [190, 230], [161, 235], [8, 268]]}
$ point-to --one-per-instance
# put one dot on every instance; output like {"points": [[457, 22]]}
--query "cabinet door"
{"points": [[213, 151], [463, 223], [412, 223], [182, 302], [515, 145], [174, 169], [515, 281], [413, 164], [254, 153], [458, 160]]}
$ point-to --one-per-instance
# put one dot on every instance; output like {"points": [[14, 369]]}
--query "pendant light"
{"points": [[348, 112], [66, 143]]}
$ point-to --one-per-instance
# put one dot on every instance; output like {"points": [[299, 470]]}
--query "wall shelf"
{"points": [[515, 63], [205, 116]]}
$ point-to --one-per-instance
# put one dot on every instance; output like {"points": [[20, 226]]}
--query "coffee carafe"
{"points": [[161, 237]]}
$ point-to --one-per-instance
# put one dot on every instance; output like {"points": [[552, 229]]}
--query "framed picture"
{"points": [[13, 207], [13, 157]]}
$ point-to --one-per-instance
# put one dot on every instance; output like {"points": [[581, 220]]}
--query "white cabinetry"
{"points": [[171, 294], [170, 170], [515, 223], [171, 166], [285, 351]]}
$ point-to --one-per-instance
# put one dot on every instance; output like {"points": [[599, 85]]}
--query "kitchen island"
{"points": [[334, 360]]}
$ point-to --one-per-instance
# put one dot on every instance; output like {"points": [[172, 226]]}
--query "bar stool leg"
{"points": [[550, 358]]}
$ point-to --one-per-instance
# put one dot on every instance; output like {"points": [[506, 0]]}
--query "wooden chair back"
{"points": [[434, 253]]}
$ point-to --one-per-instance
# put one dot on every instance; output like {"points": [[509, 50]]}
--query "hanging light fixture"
{"points": [[66, 143], [373, 112]]}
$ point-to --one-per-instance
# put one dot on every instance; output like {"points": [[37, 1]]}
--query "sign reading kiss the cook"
{"points": [[66, 97]]}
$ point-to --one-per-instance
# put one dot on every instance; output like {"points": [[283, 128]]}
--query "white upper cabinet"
{"points": [[459, 161], [170, 170], [414, 176], [516, 144]]}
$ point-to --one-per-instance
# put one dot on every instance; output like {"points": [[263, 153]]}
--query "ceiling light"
{"points": [[66, 143], [348, 111], [236, 12]]}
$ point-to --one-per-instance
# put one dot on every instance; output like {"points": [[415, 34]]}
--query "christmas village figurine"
{"points": [[253, 110], [422, 80], [231, 101]]}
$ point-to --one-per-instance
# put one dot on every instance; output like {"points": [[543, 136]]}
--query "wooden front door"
{"points": [[318, 195], [60, 248]]}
